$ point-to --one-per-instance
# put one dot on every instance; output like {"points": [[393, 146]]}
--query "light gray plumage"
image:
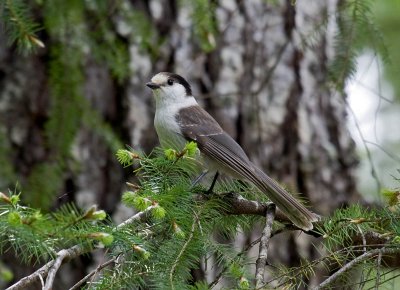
{"points": [[179, 118]]}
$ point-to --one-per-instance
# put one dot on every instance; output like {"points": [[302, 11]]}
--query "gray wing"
{"points": [[197, 125]]}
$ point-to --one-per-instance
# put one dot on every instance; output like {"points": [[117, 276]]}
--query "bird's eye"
{"points": [[170, 82]]}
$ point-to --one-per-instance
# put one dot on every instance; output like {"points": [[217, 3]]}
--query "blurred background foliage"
{"points": [[387, 17], [374, 102]]}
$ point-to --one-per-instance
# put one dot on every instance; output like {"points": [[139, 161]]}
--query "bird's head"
{"points": [[169, 88]]}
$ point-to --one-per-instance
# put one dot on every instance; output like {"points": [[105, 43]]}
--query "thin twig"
{"points": [[264, 243], [185, 245], [353, 263], [364, 241], [388, 279], [378, 270], [94, 272], [270, 72], [137, 217], [384, 150], [369, 156], [41, 280]]}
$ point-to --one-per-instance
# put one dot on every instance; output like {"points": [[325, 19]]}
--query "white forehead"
{"points": [[159, 79]]}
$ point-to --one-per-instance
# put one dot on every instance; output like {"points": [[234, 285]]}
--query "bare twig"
{"points": [[378, 270], [61, 255], [41, 280], [364, 241], [272, 69], [364, 141], [44, 271], [353, 263], [94, 272], [137, 217], [264, 243]]}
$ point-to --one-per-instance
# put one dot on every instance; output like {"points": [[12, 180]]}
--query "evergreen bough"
{"points": [[177, 227]]}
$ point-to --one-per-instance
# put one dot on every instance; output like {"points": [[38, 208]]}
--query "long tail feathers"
{"points": [[292, 208]]}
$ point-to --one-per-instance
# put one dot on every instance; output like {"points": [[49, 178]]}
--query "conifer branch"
{"points": [[20, 26], [264, 243], [234, 204], [50, 268]]}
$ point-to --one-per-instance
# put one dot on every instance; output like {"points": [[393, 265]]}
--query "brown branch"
{"points": [[238, 205], [264, 243]]}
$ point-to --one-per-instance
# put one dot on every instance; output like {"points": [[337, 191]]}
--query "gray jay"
{"points": [[180, 119]]}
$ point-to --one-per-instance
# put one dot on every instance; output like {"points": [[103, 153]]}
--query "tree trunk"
{"points": [[265, 80]]}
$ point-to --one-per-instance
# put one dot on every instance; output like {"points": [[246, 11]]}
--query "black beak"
{"points": [[152, 86]]}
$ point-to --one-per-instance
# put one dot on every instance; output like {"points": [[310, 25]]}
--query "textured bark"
{"points": [[265, 87]]}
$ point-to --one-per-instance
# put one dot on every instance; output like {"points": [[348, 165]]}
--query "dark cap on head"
{"points": [[177, 78]]}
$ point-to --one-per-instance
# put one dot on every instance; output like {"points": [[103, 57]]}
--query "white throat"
{"points": [[173, 100], [167, 127]]}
